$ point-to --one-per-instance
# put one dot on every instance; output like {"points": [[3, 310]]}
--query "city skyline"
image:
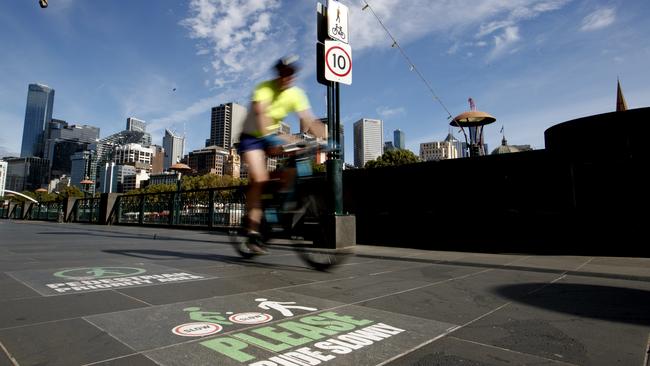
{"points": [[531, 64]]}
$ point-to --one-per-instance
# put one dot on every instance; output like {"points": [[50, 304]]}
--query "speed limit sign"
{"points": [[338, 62]]}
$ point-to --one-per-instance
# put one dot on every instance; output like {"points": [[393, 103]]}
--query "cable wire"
{"points": [[408, 60]]}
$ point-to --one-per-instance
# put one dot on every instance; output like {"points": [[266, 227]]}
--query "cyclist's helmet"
{"points": [[287, 66]]}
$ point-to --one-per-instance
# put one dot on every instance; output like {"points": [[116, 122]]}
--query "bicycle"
{"points": [[294, 217]]}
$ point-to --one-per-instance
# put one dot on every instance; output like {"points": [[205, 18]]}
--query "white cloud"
{"points": [[234, 33], [599, 19], [505, 42], [386, 112], [409, 21]]}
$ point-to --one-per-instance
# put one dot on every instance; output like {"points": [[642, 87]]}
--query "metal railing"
{"points": [[48, 211], [86, 210], [212, 207]]}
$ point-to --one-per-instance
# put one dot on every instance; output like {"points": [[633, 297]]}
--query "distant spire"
{"points": [[621, 104]]}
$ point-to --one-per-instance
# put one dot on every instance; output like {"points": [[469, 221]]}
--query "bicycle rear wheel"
{"points": [[316, 254]]}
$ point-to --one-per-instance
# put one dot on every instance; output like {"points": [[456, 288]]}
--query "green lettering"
{"points": [[284, 337], [307, 330], [262, 343], [345, 318], [229, 347], [328, 323]]}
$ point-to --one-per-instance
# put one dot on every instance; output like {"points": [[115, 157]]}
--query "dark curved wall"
{"points": [[586, 193]]}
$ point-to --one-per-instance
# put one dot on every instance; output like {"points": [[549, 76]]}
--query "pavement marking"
{"points": [[9, 356], [513, 351]]}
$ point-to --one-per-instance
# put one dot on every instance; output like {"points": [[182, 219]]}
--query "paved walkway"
{"points": [[94, 295]]}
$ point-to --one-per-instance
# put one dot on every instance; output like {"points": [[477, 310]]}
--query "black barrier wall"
{"points": [[585, 193]]}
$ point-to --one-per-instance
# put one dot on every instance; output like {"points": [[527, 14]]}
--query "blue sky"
{"points": [[530, 63]]}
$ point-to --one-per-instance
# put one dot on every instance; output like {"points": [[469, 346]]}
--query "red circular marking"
{"points": [[349, 59], [179, 330]]}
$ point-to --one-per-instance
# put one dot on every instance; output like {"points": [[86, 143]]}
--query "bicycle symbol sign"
{"points": [[337, 21], [338, 62], [91, 273]]}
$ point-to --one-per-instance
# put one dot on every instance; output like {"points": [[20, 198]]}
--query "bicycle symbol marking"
{"points": [[90, 273], [338, 30]]}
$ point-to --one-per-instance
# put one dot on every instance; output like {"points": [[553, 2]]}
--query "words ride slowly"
{"points": [[321, 338]]}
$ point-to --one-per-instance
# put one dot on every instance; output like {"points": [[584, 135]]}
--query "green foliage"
{"points": [[393, 157], [318, 168], [192, 183], [71, 191]]}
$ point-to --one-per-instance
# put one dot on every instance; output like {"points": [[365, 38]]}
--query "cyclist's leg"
{"points": [[257, 174]]}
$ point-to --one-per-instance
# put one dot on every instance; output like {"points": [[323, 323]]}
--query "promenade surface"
{"points": [[73, 294]]}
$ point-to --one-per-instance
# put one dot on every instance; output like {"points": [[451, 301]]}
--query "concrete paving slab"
{"points": [[135, 360], [12, 289], [461, 300], [65, 343], [451, 351], [98, 276], [21, 312], [577, 320], [209, 288], [368, 287]]}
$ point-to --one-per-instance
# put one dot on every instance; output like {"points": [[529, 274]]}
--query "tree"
{"points": [[393, 157]]}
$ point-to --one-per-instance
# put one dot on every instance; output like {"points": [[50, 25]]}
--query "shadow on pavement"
{"points": [[110, 234], [617, 304], [163, 255]]}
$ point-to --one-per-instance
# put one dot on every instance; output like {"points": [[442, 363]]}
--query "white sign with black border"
{"points": [[337, 21], [338, 62]]}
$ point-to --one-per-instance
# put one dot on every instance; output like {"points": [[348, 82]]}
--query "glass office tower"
{"points": [[40, 101]]}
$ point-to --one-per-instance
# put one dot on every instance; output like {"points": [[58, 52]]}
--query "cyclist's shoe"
{"points": [[255, 245]]}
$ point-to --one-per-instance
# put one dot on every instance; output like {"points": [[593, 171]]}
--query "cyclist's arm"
{"points": [[308, 124]]}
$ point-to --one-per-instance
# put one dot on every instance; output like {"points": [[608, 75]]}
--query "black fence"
{"points": [[204, 208]]}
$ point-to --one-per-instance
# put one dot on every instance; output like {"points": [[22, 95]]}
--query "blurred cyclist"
{"points": [[271, 102]]}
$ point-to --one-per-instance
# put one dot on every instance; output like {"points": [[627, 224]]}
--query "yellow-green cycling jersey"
{"points": [[279, 103]]}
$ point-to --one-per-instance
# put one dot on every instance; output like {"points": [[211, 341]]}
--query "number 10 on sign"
{"points": [[338, 62]]}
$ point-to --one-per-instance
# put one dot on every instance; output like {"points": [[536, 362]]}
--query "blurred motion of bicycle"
{"points": [[295, 215]]}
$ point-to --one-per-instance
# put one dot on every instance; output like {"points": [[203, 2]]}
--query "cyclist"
{"points": [[271, 102]]}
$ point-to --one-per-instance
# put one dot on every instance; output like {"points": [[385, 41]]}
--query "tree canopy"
{"points": [[393, 157]]}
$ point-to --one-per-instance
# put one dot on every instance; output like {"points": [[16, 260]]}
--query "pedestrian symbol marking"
{"points": [[283, 307], [92, 273], [337, 21]]}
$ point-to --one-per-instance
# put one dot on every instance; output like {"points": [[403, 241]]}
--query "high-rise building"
{"points": [[225, 124], [388, 146], [84, 166], [368, 140], [26, 174], [134, 124], [134, 154], [450, 148], [158, 159], [174, 146], [399, 139], [111, 177], [341, 137], [3, 177], [208, 160], [63, 141], [38, 113]]}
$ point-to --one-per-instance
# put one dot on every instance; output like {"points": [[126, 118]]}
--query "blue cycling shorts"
{"points": [[250, 143]]}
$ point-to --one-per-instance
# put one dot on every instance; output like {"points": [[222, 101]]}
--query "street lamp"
{"points": [[179, 168], [86, 183]]}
